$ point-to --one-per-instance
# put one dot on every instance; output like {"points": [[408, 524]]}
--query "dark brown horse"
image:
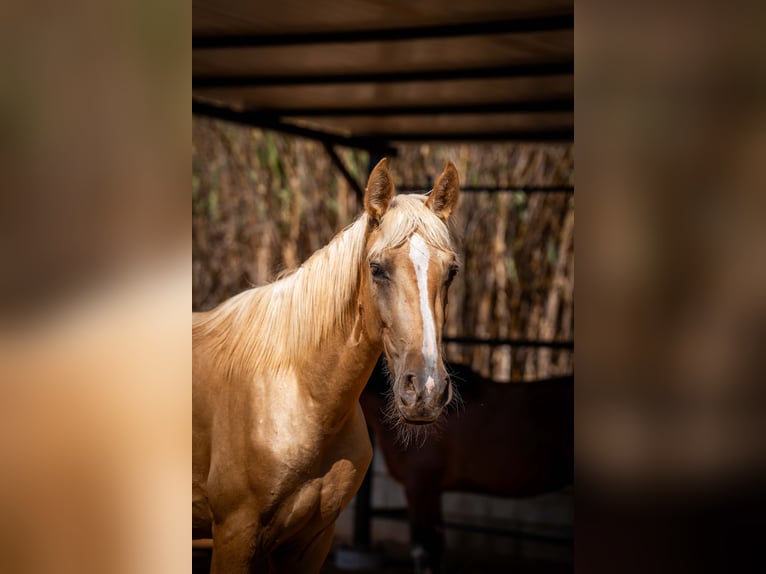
{"points": [[512, 440]]}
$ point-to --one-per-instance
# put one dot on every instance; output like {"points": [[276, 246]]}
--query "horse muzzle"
{"points": [[421, 399]]}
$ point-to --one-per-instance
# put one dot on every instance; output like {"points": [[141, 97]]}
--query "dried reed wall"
{"points": [[263, 203]]}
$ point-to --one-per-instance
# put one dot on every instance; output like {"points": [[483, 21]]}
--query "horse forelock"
{"points": [[406, 216]]}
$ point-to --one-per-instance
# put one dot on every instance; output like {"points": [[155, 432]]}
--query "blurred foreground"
{"points": [[94, 357], [95, 415], [671, 409]]}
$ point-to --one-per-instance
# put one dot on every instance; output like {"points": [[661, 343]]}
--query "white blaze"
{"points": [[420, 256]]}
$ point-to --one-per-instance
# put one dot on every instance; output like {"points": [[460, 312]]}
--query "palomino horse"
{"points": [[513, 439], [280, 442]]}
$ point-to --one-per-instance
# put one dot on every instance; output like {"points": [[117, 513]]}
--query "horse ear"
{"points": [[443, 198], [380, 191]]}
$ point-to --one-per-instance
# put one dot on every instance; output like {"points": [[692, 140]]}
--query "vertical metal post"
{"points": [[361, 556], [362, 514], [362, 510]]}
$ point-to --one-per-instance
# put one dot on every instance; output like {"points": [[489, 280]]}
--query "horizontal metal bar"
{"points": [[509, 342], [255, 80], [504, 136], [400, 515], [494, 189], [526, 25], [534, 106], [269, 122], [493, 531]]}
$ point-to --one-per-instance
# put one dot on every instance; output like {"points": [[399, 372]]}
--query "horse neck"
{"points": [[335, 378], [335, 370], [317, 304], [291, 325]]}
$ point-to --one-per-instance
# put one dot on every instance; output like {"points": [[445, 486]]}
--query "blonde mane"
{"points": [[273, 326]]}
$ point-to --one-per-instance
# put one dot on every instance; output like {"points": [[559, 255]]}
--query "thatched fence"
{"points": [[263, 202]]}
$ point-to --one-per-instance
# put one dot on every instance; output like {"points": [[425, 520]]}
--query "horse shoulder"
{"points": [[347, 457], [319, 488]]}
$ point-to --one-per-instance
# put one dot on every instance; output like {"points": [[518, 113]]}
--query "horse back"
{"points": [[512, 439], [507, 439]]}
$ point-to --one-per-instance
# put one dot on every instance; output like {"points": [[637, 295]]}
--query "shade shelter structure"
{"points": [[376, 75]]}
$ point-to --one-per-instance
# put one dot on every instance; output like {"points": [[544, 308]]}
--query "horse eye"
{"points": [[377, 271], [452, 272]]}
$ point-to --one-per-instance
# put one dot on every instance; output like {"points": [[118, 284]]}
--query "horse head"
{"points": [[410, 264]]}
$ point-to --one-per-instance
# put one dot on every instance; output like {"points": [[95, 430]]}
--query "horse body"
{"points": [[509, 440], [280, 441], [284, 463]]}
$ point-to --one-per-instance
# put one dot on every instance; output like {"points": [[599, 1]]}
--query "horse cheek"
{"points": [[383, 316]]}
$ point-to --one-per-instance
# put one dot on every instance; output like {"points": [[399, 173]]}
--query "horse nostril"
{"points": [[409, 393]]}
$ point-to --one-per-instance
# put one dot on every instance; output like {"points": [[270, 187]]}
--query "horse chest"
{"points": [[308, 467], [321, 497], [309, 499]]}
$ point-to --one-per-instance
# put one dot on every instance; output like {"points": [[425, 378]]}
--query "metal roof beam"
{"points": [[271, 123], [338, 162], [491, 27], [521, 70], [533, 106]]}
